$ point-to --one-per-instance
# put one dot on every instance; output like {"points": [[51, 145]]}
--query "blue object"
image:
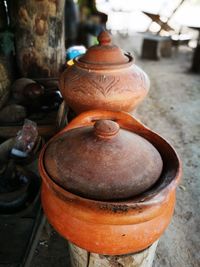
{"points": [[75, 51]]}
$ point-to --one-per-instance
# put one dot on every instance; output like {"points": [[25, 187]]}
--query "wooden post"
{"points": [[5, 81], [40, 40], [6, 49], [81, 258], [3, 15]]}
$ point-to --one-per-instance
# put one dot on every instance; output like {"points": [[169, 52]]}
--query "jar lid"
{"points": [[104, 53], [103, 161]]}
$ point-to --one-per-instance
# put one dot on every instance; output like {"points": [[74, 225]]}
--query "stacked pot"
{"points": [[108, 181], [104, 78]]}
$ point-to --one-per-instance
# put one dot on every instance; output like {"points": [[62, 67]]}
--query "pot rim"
{"points": [[114, 66], [110, 213]]}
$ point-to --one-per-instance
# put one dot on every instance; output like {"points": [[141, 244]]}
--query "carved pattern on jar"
{"points": [[105, 84], [90, 83]]}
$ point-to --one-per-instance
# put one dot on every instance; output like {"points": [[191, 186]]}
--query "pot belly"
{"points": [[115, 90], [108, 239]]}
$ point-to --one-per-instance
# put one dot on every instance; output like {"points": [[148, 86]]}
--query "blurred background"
{"points": [[127, 16]]}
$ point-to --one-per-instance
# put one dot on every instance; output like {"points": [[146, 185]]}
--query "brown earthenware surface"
{"points": [[103, 162], [104, 78], [114, 227], [104, 53]]}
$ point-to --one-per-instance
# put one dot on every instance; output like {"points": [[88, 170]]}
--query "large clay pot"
{"points": [[104, 78], [113, 227], [90, 161]]}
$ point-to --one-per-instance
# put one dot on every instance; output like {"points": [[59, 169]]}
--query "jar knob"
{"points": [[106, 129], [104, 38]]}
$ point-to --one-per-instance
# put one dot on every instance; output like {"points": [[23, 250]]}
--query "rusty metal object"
{"points": [[114, 227], [104, 78], [103, 161]]}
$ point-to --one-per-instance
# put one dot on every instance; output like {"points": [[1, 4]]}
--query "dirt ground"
{"points": [[172, 109]]}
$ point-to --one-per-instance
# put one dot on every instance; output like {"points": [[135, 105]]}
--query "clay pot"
{"points": [[104, 78], [17, 189], [103, 161], [27, 92], [113, 227]]}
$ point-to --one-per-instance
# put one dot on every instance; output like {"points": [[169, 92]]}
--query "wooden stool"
{"points": [[82, 258], [196, 60], [156, 46]]}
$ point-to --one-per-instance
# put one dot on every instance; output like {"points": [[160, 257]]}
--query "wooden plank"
{"points": [[62, 117], [47, 126], [11, 131]]}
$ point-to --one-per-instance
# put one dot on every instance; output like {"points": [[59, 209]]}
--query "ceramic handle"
{"points": [[106, 129], [89, 118]]}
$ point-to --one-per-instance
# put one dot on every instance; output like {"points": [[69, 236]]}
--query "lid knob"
{"points": [[104, 38], [104, 55], [106, 129]]}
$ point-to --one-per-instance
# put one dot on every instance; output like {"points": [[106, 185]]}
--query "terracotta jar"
{"points": [[110, 227], [104, 78], [91, 161]]}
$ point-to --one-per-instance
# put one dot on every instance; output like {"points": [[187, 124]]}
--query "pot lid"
{"points": [[104, 53], [102, 161]]}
